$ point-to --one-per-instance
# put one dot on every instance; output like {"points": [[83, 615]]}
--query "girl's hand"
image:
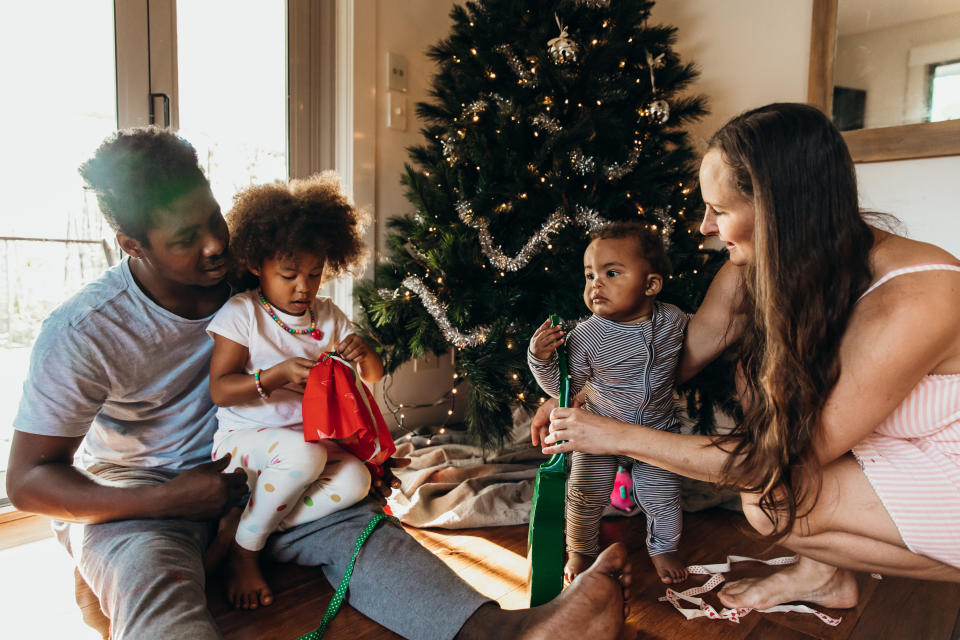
{"points": [[294, 370], [585, 432], [353, 348], [381, 488], [545, 340]]}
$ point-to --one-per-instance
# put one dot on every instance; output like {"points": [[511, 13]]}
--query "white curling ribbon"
{"points": [[716, 571]]}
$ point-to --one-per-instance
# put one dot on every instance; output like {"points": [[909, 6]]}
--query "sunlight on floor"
{"points": [[38, 593]]}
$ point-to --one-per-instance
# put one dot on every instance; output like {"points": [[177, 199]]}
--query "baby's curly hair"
{"points": [[310, 215], [137, 171], [649, 243]]}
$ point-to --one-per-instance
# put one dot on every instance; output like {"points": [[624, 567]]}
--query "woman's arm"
{"points": [[716, 325], [688, 455], [231, 385], [898, 334]]}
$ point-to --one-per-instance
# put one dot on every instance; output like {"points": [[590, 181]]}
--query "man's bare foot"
{"points": [[220, 546], [593, 606], [669, 567], [805, 581], [246, 588], [577, 563]]}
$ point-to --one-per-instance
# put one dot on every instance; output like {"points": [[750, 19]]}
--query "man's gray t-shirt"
{"points": [[112, 365]]}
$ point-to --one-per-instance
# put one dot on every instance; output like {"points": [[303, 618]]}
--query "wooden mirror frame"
{"points": [[923, 140]]}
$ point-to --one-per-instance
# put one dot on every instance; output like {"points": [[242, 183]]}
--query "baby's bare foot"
{"points": [[577, 563], [805, 581], [669, 567], [246, 587]]}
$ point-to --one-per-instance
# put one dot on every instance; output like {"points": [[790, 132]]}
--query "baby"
{"points": [[623, 359]]}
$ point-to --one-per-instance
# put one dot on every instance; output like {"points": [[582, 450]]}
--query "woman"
{"points": [[848, 339]]}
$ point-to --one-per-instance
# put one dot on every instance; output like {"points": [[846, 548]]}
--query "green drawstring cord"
{"points": [[341, 591]]}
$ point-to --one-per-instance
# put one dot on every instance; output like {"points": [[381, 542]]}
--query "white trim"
{"points": [[945, 51]]}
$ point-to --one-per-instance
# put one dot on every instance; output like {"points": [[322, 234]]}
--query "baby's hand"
{"points": [[545, 340]]}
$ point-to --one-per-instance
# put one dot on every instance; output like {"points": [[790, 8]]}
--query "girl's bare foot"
{"points": [[246, 588], [220, 546], [593, 606], [577, 563], [669, 567], [805, 581]]}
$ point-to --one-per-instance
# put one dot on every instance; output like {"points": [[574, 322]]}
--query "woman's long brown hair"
{"points": [[811, 265]]}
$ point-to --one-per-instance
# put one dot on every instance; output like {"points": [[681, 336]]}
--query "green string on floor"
{"points": [[341, 591]]}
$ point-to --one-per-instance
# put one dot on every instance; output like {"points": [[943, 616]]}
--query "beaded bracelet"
{"points": [[256, 382]]}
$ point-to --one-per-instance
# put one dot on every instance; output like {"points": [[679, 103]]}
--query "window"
{"points": [[945, 91]]}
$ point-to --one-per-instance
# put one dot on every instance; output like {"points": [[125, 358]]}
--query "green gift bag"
{"points": [[546, 537]]}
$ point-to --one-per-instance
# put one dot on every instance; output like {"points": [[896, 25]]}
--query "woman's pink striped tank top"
{"points": [[913, 458]]}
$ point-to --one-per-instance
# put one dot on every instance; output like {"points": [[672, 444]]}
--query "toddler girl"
{"points": [[624, 359], [286, 240]]}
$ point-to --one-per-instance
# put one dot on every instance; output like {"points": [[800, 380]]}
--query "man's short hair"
{"points": [[134, 172]]}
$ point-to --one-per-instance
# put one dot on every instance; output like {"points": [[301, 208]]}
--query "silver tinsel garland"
{"points": [[438, 310], [526, 78], [584, 164], [546, 123]]}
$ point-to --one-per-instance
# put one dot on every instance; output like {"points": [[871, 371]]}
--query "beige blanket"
{"points": [[453, 487]]}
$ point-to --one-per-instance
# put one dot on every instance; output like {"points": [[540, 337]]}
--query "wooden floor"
{"points": [[38, 601]]}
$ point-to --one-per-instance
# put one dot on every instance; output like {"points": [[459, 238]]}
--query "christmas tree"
{"points": [[548, 119]]}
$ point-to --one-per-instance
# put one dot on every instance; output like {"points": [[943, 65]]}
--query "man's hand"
{"points": [[381, 488], [545, 340], [203, 492]]}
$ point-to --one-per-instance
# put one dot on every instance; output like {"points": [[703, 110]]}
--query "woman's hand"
{"points": [[585, 432], [545, 340], [540, 425]]}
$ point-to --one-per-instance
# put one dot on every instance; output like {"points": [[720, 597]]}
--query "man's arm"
{"points": [[42, 479]]}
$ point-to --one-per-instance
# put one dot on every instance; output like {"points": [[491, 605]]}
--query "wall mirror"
{"points": [[888, 72]]}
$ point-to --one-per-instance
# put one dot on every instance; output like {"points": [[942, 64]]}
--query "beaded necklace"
{"points": [[312, 330]]}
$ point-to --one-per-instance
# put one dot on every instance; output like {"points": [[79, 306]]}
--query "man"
{"points": [[119, 374]]}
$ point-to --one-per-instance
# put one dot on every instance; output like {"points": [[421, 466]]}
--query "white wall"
{"points": [[750, 52], [407, 28]]}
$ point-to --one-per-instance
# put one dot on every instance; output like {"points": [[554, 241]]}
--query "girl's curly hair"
{"points": [[310, 215]]}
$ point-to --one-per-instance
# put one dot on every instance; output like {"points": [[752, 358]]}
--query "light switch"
{"points": [[396, 72], [397, 110]]}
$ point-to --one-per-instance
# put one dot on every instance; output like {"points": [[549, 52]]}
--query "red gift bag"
{"points": [[338, 406]]}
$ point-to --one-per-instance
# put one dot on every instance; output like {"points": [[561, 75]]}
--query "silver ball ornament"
{"points": [[659, 111], [563, 49]]}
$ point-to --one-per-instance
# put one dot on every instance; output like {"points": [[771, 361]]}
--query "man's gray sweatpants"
{"points": [[149, 574]]}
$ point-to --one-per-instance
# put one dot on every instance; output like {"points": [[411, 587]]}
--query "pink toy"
{"points": [[621, 496]]}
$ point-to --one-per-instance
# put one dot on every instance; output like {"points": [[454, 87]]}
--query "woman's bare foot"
{"points": [[577, 563], [220, 546], [805, 581], [246, 588], [669, 567]]}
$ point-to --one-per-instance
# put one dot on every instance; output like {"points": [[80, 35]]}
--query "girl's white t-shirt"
{"points": [[244, 320]]}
